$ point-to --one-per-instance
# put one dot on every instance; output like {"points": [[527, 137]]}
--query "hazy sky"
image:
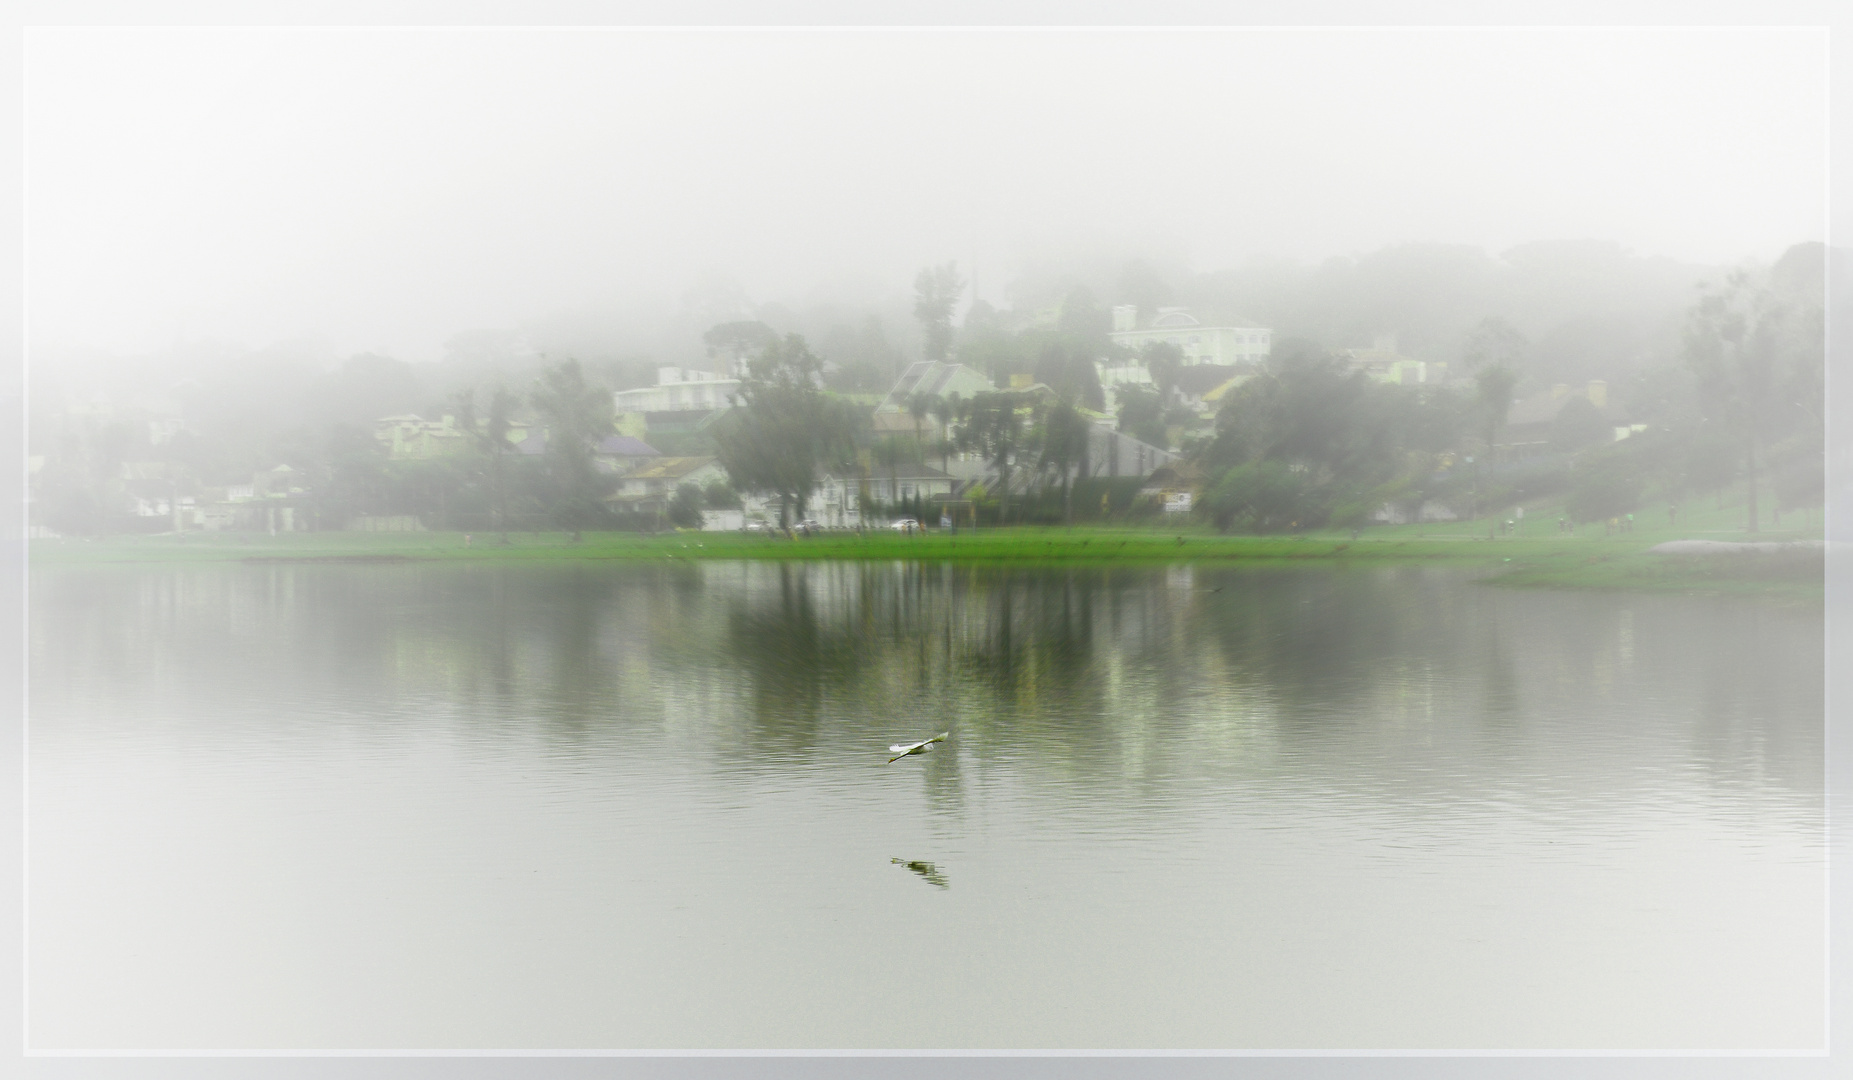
{"points": [[385, 189]]}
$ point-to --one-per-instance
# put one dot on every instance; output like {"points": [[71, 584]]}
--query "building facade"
{"points": [[1242, 343], [1382, 363], [678, 390]]}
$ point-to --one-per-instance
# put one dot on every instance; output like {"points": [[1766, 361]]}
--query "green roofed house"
{"points": [[1537, 423], [934, 378], [409, 436]]}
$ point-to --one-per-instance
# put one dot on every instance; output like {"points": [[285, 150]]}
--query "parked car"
{"points": [[905, 525], [760, 527], [809, 526]]}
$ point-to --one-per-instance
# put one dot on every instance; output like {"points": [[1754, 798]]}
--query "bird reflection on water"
{"points": [[926, 870]]}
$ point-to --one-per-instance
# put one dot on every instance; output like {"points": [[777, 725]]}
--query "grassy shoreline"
{"points": [[1552, 560]]}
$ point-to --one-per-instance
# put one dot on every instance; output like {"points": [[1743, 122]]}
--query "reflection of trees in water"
{"points": [[1067, 672], [792, 653], [1112, 673], [1747, 706], [1109, 671], [1318, 640], [914, 648]]}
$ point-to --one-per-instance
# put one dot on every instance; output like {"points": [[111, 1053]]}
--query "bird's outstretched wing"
{"points": [[900, 751]]}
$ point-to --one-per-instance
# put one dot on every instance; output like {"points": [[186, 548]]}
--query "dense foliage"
{"points": [[1707, 390], [787, 429]]}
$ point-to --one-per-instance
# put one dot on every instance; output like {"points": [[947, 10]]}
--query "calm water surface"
{"points": [[647, 807]]}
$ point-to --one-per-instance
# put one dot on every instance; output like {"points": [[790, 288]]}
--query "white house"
{"points": [[678, 390], [838, 499], [1242, 343]]}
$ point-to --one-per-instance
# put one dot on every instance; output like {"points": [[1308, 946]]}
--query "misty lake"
{"points": [[584, 806]]}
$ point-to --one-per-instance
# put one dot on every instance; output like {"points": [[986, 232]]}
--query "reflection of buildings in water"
{"points": [[1397, 686], [1419, 675]]}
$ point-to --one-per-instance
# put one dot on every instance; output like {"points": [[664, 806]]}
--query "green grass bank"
{"points": [[1542, 559]]}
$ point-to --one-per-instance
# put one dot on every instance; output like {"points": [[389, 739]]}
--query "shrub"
{"points": [[685, 508], [1267, 496]]}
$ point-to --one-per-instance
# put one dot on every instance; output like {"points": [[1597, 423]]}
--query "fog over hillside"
{"points": [[253, 247], [412, 192]]}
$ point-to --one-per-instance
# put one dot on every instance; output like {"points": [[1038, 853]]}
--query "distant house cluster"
{"points": [[647, 456], [1533, 423], [926, 378], [160, 493], [1235, 343], [1381, 362]]}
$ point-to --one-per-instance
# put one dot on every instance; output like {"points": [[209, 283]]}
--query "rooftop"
{"points": [[909, 470], [935, 377], [626, 446], [669, 468]]}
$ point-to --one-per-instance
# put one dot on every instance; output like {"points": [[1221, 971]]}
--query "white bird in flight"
{"points": [[901, 750]]}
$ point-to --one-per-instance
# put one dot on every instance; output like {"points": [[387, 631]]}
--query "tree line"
{"points": [[1306, 442]]}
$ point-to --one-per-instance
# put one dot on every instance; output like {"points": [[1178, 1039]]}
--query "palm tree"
{"points": [[890, 451], [578, 415], [944, 409], [991, 425], [502, 405], [1064, 444], [918, 405], [1495, 385]]}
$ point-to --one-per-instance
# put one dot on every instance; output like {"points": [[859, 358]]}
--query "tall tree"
{"points": [[891, 452], [489, 437], [993, 426], [1064, 448], [1162, 360], [1494, 352], [986, 344], [1756, 349], [944, 410], [919, 405], [1066, 369], [1493, 390], [1142, 415], [936, 291], [1492, 343], [787, 428], [577, 416]]}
